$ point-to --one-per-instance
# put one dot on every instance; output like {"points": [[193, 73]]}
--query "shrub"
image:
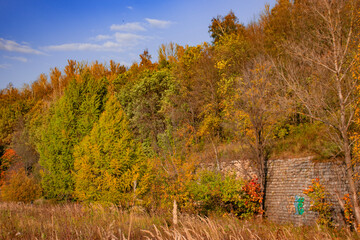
{"points": [[253, 197], [320, 203], [348, 211], [169, 180], [19, 187], [304, 138], [6, 160], [206, 192], [213, 192]]}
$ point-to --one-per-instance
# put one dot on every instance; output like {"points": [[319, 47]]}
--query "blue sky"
{"points": [[37, 35]]}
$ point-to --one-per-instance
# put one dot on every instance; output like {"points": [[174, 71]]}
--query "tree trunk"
{"points": [[262, 161], [352, 185], [347, 148], [218, 167], [175, 214]]}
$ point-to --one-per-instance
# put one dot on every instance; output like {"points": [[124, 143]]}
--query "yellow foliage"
{"points": [[356, 135], [221, 64], [171, 180], [19, 187]]}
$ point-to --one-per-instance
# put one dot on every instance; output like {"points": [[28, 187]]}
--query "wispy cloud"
{"points": [[107, 46], [116, 42], [20, 59], [4, 66], [128, 39], [102, 37], [130, 7], [12, 46], [128, 27], [158, 23], [122, 40]]}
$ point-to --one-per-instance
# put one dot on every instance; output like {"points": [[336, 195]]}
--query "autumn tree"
{"points": [[248, 94], [56, 81], [277, 23], [6, 160], [223, 25], [230, 54], [20, 187], [171, 177], [317, 71], [115, 70], [258, 110], [185, 77], [208, 99], [71, 72], [144, 104], [169, 54], [197, 111], [145, 61], [356, 135], [41, 88], [232, 51], [23, 146], [14, 104], [10, 112]]}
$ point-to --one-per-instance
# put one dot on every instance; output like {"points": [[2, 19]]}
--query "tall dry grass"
{"points": [[94, 221]]}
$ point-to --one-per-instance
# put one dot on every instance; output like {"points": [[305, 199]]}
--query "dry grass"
{"points": [[75, 221]]}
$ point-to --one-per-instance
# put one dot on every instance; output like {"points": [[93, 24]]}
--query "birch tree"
{"points": [[317, 70]]}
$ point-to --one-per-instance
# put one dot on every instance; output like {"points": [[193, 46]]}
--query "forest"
{"points": [[285, 85]]}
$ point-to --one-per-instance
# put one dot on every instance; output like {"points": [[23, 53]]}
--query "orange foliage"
{"points": [[348, 212], [115, 70], [8, 158], [145, 62], [56, 81], [171, 178], [320, 202], [19, 187], [41, 88]]}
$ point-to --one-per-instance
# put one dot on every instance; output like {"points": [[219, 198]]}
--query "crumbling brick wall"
{"points": [[286, 181]]}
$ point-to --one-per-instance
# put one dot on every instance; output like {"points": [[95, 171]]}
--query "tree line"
{"points": [[285, 84]]}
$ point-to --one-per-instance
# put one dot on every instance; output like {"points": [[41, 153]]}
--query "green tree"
{"points": [[68, 121], [108, 161], [145, 103]]}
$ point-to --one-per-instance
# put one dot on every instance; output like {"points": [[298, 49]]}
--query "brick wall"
{"points": [[287, 179]]}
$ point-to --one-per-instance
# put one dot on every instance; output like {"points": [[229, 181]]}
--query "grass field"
{"points": [[94, 221]]}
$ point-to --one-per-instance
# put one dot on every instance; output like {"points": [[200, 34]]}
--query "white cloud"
{"points": [[128, 27], [128, 38], [116, 42], [130, 7], [158, 23], [12, 46], [121, 40], [4, 66], [102, 37], [107, 46], [20, 59]]}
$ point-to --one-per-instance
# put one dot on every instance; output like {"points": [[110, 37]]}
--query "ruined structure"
{"points": [[286, 181]]}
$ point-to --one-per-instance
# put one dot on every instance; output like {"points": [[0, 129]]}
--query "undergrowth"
{"points": [[304, 139], [94, 221]]}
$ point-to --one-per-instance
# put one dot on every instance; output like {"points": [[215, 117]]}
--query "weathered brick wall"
{"points": [[287, 179]]}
